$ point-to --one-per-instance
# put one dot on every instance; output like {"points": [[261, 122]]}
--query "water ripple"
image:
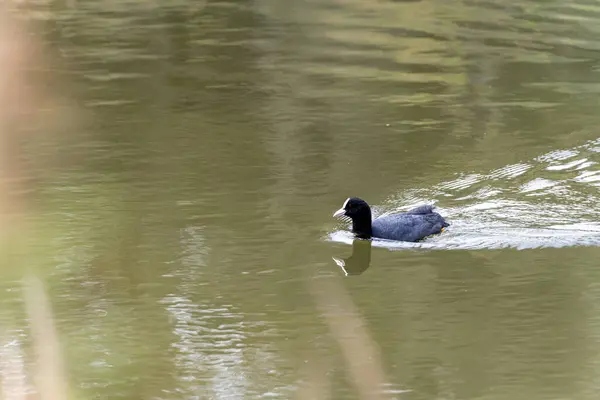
{"points": [[549, 201]]}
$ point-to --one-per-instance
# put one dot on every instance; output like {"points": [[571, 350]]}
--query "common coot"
{"points": [[410, 226]]}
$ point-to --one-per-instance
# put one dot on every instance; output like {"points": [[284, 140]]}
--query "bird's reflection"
{"points": [[360, 259]]}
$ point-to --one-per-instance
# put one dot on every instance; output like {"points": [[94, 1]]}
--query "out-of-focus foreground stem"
{"points": [[20, 101], [347, 327]]}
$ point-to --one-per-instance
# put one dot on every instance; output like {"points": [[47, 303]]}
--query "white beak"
{"points": [[340, 263], [339, 213]]}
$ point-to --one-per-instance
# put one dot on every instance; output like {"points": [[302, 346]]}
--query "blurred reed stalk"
{"points": [[347, 327], [49, 375], [20, 103]]}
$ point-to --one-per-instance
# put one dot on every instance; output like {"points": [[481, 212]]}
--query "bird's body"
{"points": [[410, 226]]}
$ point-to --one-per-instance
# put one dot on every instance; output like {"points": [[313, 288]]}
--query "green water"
{"points": [[185, 233]]}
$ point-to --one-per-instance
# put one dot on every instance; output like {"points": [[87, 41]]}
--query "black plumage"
{"points": [[410, 226]]}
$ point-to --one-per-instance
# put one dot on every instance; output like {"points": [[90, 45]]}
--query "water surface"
{"points": [[185, 232]]}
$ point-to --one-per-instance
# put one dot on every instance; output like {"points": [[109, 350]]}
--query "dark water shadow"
{"points": [[359, 260]]}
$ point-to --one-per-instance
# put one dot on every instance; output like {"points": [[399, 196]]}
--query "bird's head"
{"points": [[353, 208]]}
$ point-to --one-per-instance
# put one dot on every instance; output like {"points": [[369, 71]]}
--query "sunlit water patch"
{"points": [[550, 201], [218, 349]]}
